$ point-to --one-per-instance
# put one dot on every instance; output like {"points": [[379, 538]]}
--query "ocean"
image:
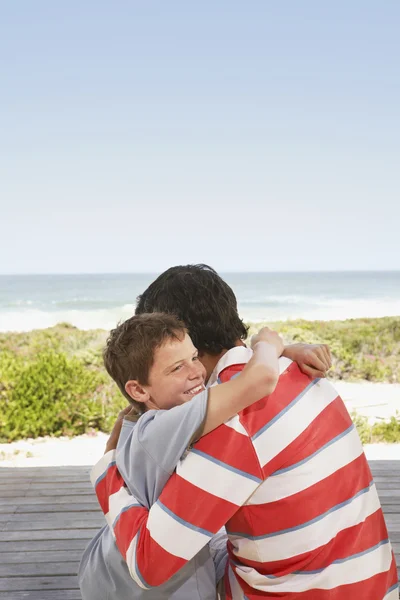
{"points": [[100, 300]]}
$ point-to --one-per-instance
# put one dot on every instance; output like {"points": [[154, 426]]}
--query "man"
{"points": [[287, 476]]}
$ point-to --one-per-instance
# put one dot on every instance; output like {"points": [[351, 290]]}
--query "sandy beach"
{"points": [[377, 401], [51, 452], [87, 449]]}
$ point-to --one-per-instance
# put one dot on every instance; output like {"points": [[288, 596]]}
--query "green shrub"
{"points": [[386, 431], [363, 427], [362, 349], [53, 394]]}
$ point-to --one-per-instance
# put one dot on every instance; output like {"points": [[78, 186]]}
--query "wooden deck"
{"points": [[47, 516]]}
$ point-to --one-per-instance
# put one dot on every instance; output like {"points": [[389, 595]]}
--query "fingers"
{"points": [[329, 354], [324, 355], [124, 412], [324, 350], [313, 373], [316, 360]]}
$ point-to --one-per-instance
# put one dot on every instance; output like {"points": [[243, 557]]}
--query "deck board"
{"points": [[48, 515]]}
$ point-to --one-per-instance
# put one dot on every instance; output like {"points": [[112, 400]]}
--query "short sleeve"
{"points": [[149, 450]]}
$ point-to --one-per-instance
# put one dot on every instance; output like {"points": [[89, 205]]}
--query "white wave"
{"points": [[338, 309], [324, 310], [27, 320]]}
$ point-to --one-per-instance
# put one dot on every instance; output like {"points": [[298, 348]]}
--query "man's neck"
{"points": [[210, 361]]}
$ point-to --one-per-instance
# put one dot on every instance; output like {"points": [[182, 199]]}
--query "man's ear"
{"points": [[136, 391]]}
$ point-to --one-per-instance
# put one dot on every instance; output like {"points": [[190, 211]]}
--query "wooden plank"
{"points": [[38, 583], [50, 534], [53, 525], [48, 556], [60, 479], [43, 477], [9, 491], [60, 507], [64, 490], [43, 545], [92, 516], [35, 512], [33, 485], [6, 515], [387, 483], [42, 595], [389, 509], [392, 494], [39, 570], [46, 479], [48, 471], [45, 500]]}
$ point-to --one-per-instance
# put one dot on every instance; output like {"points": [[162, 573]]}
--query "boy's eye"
{"points": [[195, 358], [177, 368]]}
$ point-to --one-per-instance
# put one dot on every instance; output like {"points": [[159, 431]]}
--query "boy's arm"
{"points": [[258, 379]]}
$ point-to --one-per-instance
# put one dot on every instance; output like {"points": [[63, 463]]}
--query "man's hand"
{"points": [[116, 430], [313, 359], [271, 337]]}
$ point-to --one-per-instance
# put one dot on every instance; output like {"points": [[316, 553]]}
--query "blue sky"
{"points": [[252, 136]]}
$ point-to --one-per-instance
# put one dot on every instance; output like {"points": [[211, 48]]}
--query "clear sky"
{"points": [[260, 135]]}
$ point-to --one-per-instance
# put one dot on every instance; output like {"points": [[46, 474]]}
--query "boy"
{"points": [[156, 366]]}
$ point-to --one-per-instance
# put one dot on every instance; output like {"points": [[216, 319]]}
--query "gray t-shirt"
{"points": [[147, 454]]}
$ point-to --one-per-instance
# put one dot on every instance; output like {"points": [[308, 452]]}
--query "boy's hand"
{"points": [[313, 359], [116, 430], [271, 337]]}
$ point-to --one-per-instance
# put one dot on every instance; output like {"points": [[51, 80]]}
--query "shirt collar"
{"points": [[239, 355]]}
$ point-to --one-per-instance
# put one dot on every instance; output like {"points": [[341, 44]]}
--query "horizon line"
{"points": [[230, 272]]}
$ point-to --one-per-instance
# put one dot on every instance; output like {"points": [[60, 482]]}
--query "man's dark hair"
{"points": [[130, 348], [200, 298]]}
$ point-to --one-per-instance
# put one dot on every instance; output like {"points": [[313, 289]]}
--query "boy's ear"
{"points": [[136, 391]]}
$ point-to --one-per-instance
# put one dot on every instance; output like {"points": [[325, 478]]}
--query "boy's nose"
{"points": [[196, 371]]}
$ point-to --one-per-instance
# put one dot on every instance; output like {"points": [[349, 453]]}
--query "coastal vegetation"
{"points": [[362, 349], [52, 381]]}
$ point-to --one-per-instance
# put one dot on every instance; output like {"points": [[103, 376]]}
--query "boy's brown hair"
{"points": [[130, 348]]}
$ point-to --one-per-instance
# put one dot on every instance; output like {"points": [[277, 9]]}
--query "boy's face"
{"points": [[176, 376]]}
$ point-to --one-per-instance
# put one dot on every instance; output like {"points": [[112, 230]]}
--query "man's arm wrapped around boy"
{"points": [[157, 543]]}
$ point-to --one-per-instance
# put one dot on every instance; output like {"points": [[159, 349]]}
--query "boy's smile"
{"points": [[195, 390]]}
